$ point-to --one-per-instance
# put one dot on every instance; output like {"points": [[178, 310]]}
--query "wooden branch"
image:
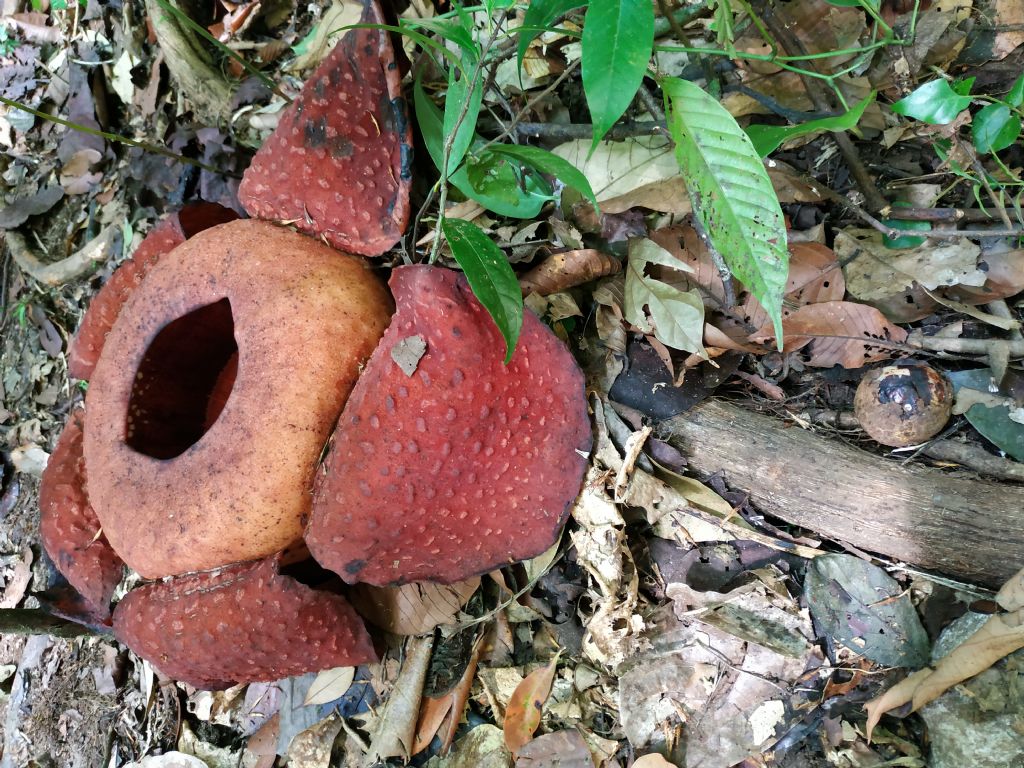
{"points": [[960, 526], [28, 621]]}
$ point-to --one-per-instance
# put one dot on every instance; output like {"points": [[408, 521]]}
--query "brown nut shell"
{"points": [[174, 497], [904, 403]]}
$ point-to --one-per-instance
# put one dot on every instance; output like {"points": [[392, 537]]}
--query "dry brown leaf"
{"points": [[1009, 14], [685, 244], [874, 271], [814, 277], [330, 684], [1000, 636], [18, 580], [396, 727], [897, 696], [432, 716], [1004, 277], [415, 608], [525, 707], [442, 716], [561, 749], [562, 271], [653, 760], [839, 332], [1011, 596], [261, 748]]}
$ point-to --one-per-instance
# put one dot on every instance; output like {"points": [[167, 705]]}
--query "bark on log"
{"points": [[953, 524]]}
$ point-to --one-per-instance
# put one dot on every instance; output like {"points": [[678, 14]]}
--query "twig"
{"points": [[975, 458], [569, 131], [983, 177], [939, 214], [729, 298], [867, 218], [917, 340], [25, 621], [651, 104], [515, 125]]}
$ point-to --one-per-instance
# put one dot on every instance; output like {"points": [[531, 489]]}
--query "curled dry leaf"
{"points": [[562, 271], [1011, 595], [414, 608], [839, 332], [999, 636], [396, 729], [523, 713]]}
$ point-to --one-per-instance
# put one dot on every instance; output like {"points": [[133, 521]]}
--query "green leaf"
{"points": [[541, 14], [994, 128], [675, 317], [1015, 97], [933, 102], [731, 193], [493, 177], [490, 277], [618, 36], [455, 99], [721, 24], [994, 424], [547, 162], [768, 138], [963, 85]]}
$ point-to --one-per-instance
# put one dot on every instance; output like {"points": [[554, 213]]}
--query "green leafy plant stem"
{"points": [[144, 145], [449, 143], [200, 30]]}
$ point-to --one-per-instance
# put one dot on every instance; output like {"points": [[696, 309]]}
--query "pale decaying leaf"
{"points": [[675, 317], [1011, 596], [561, 749], [839, 332], [414, 608], [312, 747], [330, 684], [636, 173], [875, 272], [482, 747], [341, 13], [169, 760], [1009, 20], [395, 733], [653, 760]]}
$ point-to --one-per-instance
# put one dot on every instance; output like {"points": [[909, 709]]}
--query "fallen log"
{"points": [[948, 522]]}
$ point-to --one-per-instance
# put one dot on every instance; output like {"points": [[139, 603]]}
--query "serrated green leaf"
{"points": [[767, 138], [994, 128], [547, 162], [935, 103], [731, 193], [489, 276], [1015, 96], [675, 317], [541, 14], [618, 36], [457, 96]]}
